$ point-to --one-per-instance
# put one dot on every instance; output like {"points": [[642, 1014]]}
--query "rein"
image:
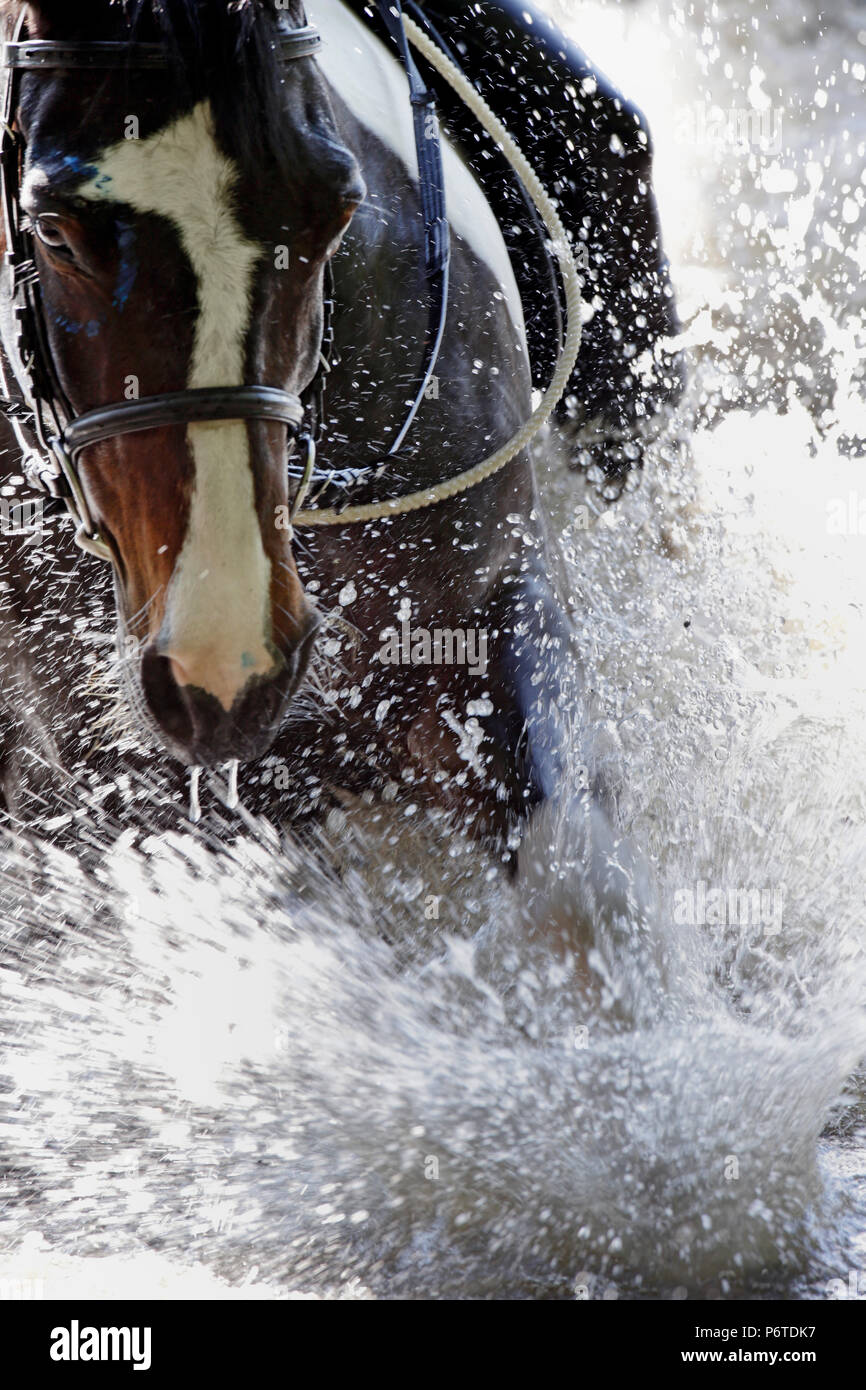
{"points": [[43, 408], [479, 472]]}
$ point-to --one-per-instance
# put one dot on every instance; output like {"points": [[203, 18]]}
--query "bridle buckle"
{"points": [[87, 536]]}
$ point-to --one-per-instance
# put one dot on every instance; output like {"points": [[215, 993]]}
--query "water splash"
{"points": [[194, 799], [285, 1073], [232, 799]]}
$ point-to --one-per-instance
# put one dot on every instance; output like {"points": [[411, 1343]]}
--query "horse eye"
{"points": [[50, 233]]}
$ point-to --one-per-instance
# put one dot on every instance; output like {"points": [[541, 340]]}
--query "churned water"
{"points": [[229, 1070]]}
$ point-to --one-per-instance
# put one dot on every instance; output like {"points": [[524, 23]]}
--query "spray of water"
{"points": [[232, 1062]]}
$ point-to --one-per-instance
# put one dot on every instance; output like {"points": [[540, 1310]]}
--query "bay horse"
{"points": [[186, 219]]}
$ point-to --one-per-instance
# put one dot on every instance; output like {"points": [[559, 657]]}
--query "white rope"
{"points": [[451, 487]]}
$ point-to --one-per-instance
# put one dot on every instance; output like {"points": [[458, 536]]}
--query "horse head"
{"points": [[182, 219]]}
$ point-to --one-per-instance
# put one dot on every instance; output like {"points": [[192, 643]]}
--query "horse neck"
{"points": [[382, 303]]}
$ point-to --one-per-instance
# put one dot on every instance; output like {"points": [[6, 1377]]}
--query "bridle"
{"points": [[61, 436], [60, 433], [42, 407]]}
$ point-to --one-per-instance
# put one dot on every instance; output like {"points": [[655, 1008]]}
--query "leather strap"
{"points": [[42, 54], [183, 408], [431, 188]]}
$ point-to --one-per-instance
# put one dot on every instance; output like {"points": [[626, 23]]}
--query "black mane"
{"points": [[221, 51]]}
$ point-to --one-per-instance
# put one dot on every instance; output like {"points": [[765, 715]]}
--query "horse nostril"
{"points": [[212, 706], [164, 698]]}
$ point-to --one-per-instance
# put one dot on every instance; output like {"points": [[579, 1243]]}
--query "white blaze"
{"points": [[218, 602]]}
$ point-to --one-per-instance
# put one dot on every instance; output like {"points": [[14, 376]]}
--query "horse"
{"points": [[593, 145], [199, 226]]}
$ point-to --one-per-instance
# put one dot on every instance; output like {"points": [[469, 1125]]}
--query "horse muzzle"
{"points": [[205, 719]]}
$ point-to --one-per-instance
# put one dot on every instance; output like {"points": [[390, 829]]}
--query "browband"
{"points": [[42, 54]]}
